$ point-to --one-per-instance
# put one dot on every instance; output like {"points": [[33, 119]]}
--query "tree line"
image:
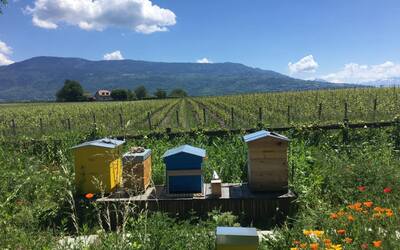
{"points": [[72, 91]]}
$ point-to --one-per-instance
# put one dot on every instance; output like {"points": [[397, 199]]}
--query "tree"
{"points": [[131, 95], [160, 94], [2, 2], [178, 93], [140, 92], [119, 94], [72, 91]]}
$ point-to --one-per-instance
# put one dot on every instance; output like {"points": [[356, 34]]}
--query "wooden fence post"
{"points": [[121, 120], [69, 123], [320, 111], [13, 127], [375, 109], [41, 125], [346, 124], [204, 116], [260, 115], [232, 117], [177, 117], [94, 121], [149, 119], [288, 114]]}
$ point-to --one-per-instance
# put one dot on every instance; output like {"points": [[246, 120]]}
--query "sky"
{"points": [[335, 40]]}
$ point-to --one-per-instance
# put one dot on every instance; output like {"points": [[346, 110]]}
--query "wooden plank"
{"points": [[184, 172], [252, 206], [268, 164]]}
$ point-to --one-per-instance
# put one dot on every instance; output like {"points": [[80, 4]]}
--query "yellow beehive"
{"points": [[98, 166]]}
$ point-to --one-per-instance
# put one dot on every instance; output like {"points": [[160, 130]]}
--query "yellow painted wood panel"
{"points": [[95, 167]]}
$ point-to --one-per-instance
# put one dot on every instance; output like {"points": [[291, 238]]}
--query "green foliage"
{"points": [[178, 93], [140, 92], [160, 94], [72, 91], [120, 94], [2, 2]]}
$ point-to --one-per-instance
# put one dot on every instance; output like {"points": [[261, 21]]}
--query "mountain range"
{"points": [[39, 78]]}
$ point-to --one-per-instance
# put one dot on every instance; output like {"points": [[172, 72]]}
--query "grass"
{"points": [[36, 180]]}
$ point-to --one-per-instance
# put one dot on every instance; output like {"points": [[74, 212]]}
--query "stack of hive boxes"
{"points": [[98, 166], [267, 161], [137, 169], [184, 169]]}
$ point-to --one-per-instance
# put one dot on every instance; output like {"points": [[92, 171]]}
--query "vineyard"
{"points": [[347, 180], [207, 113]]}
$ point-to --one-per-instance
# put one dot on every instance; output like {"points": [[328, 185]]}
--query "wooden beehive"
{"points": [[137, 170], [184, 169], [267, 161], [98, 166], [236, 238]]}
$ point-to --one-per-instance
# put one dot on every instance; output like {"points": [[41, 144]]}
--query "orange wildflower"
{"points": [[379, 209], [294, 248], [368, 203], [341, 213], [303, 245], [341, 231], [89, 196], [348, 240], [377, 243], [356, 206], [361, 188], [350, 218], [389, 212], [333, 216], [376, 215], [327, 242], [314, 246]]}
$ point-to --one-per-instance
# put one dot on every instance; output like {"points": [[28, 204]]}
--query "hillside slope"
{"points": [[40, 77]]}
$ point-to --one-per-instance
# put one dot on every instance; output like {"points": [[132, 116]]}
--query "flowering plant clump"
{"points": [[352, 227]]}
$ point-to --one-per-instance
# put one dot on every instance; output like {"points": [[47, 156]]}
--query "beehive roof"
{"points": [[103, 143], [185, 149], [262, 134]]}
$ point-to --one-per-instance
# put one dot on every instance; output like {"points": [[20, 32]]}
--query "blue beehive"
{"points": [[184, 169]]}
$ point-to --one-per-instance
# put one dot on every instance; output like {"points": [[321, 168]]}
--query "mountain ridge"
{"points": [[39, 78]]}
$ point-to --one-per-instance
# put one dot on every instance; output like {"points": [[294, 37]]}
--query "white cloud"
{"points": [[116, 55], [5, 51], [139, 15], [357, 73], [4, 48], [204, 60], [4, 60], [306, 64]]}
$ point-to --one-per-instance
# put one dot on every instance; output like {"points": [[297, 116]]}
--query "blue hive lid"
{"points": [[103, 143], [239, 231], [185, 149], [263, 133]]}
